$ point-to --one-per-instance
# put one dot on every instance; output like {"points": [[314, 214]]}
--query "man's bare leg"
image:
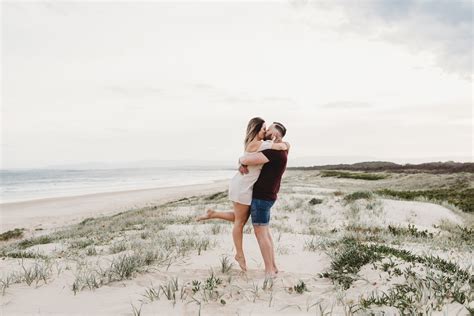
{"points": [[272, 251], [261, 232]]}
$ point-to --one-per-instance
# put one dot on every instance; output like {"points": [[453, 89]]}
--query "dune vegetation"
{"points": [[360, 249]]}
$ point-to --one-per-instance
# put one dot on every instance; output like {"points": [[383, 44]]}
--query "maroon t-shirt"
{"points": [[268, 183]]}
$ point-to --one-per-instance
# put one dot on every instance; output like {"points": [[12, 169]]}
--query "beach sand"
{"points": [[53, 212], [143, 252]]}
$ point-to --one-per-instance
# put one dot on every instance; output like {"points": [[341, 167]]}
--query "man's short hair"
{"points": [[280, 128]]}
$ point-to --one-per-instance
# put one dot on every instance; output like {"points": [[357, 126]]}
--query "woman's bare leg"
{"points": [[211, 214], [239, 216], [242, 213]]}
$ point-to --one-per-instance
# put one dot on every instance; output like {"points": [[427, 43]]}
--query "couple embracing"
{"points": [[253, 190]]}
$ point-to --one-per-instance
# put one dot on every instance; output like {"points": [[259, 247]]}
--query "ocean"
{"points": [[24, 185]]}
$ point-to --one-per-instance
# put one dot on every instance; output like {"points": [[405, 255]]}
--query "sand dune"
{"points": [[85, 266]]}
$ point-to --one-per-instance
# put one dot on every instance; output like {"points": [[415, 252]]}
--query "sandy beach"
{"points": [[54, 212], [338, 249]]}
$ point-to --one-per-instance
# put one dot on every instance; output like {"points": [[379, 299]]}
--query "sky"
{"points": [[116, 82]]}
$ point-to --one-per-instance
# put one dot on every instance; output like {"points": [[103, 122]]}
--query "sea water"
{"points": [[23, 185]]}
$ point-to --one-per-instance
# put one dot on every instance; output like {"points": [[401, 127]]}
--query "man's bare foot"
{"points": [[208, 215], [241, 261]]}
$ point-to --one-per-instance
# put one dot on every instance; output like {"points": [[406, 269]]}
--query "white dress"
{"points": [[241, 186]]}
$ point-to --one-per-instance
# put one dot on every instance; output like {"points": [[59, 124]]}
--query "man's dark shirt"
{"points": [[268, 183]]}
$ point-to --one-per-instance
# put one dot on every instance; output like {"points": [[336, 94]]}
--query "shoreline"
{"points": [[100, 191], [47, 213]]}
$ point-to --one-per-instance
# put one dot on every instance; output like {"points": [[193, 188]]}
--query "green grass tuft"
{"points": [[353, 175], [15, 233]]}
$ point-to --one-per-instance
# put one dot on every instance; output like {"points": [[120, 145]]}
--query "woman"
{"points": [[241, 185]]}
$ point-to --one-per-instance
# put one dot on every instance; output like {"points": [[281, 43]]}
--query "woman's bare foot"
{"points": [[275, 268], [241, 262], [208, 215]]}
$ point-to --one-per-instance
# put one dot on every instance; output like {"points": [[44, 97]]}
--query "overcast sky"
{"points": [[118, 81]]}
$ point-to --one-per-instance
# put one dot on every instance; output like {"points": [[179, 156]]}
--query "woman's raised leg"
{"points": [[212, 214], [239, 216]]}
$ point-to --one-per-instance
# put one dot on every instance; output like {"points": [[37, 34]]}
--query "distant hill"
{"points": [[430, 167]]}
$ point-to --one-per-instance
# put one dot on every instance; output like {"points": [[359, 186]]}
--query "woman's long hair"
{"points": [[253, 128]]}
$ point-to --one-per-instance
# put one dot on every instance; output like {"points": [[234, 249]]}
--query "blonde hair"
{"points": [[253, 128]]}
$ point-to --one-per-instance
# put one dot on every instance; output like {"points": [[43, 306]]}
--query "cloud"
{"points": [[130, 90], [443, 28], [347, 105]]}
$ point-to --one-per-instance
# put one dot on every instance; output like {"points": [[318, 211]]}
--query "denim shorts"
{"points": [[260, 211]]}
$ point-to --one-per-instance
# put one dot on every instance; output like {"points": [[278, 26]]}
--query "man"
{"points": [[265, 192]]}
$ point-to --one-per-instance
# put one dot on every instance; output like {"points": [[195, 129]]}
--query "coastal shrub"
{"points": [[91, 251], [348, 260], [208, 288], [357, 196], [315, 201], [420, 295], [196, 286], [15, 233], [81, 243], [45, 239], [353, 175], [380, 234], [411, 230], [351, 255], [449, 167], [459, 234], [463, 198], [22, 254], [300, 287]]}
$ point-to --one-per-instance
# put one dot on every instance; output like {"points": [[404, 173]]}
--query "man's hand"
{"points": [[243, 169]]}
